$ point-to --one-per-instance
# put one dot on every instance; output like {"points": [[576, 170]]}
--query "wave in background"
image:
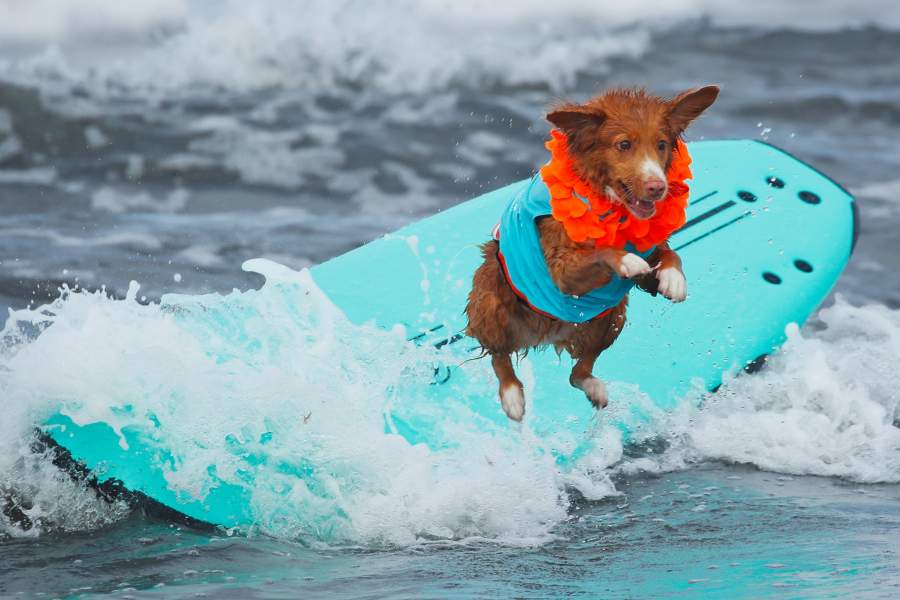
{"points": [[179, 46], [137, 137]]}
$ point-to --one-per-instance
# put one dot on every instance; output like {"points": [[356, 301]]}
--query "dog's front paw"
{"points": [[632, 265], [672, 284], [512, 398]]}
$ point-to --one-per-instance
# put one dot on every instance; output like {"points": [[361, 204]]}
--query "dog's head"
{"points": [[621, 142]]}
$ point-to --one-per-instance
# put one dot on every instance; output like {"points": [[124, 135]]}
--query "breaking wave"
{"points": [[261, 385]]}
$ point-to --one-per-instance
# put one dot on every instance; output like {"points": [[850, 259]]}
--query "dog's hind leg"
{"points": [[586, 344], [583, 378], [512, 393]]}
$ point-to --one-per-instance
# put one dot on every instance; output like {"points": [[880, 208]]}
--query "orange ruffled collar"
{"points": [[606, 222]]}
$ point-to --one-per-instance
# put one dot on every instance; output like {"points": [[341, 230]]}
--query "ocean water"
{"points": [[168, 142]]}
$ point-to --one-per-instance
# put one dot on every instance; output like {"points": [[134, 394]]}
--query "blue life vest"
{"points": [[526, 270]]}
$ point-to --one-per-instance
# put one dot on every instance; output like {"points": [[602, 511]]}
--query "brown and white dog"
{"points": [[621, 145]]}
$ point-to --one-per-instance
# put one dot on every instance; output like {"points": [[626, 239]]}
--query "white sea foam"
{"points": [[304, 377], [58, 21], [280, 158], [117, 201], [827, 404], [280, 374], [205, 255], [36, 176], [55, 21], [883, 190], [45, 495], [135, 238], [95, 137], [10, 145], [387, 45]]}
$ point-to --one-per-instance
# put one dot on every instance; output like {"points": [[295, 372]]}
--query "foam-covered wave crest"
{"points": [[386, 46], [275, 391], [826, 404]]}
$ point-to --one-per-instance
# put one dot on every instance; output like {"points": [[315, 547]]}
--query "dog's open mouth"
{"points": [[642, 209]]}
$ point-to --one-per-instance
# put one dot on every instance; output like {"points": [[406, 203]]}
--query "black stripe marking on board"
{"points": [[707, 215], [416, 338], [712, 231], [703, 197]]}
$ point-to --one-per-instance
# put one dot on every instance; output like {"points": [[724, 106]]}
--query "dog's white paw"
{"points": [[672, 284], [512, 398], [633, 265], [595, 391]]}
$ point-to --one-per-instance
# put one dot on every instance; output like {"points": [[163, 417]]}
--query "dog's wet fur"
{"points": [[621, 143]]}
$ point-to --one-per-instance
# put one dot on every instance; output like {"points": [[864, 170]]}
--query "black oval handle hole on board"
{"points": [[775, 182], [772, 278], [809, 197], [747, 196], [804, 266]]}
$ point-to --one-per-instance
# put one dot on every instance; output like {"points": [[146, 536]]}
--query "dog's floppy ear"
{"points": [[571, 118], [688, 105]]}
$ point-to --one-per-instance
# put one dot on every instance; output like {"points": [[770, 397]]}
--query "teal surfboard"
{"points": [[765, 240]]}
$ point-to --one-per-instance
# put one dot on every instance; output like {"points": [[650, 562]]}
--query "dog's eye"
{"points": [[661, 145], [624, 145]]}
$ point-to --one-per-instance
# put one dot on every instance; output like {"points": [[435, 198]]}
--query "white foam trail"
{"points": [[263, 385], [827, 404], [280, 374]]}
